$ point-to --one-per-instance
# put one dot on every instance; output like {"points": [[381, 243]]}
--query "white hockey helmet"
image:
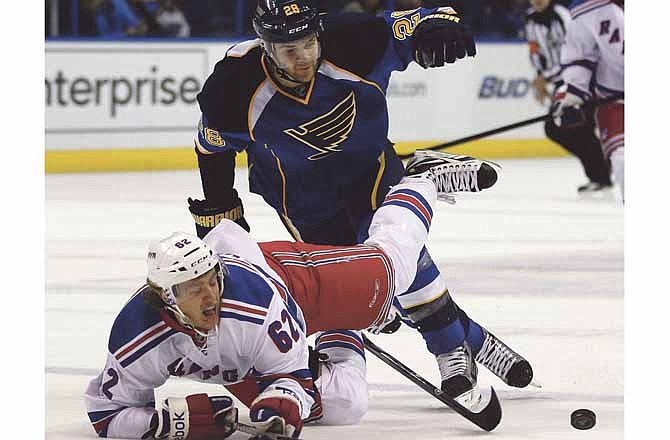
{"points": [[178, 258]]}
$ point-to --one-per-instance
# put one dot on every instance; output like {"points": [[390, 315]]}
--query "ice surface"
{"points": [[528, 259]]}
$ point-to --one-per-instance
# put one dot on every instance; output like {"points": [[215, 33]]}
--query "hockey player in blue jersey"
{"points": [[306, 101]]}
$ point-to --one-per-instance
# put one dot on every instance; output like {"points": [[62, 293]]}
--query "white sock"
{"points": [[618, 168]]}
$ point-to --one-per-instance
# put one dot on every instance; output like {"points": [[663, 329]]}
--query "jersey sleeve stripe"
{"points": [[101, 419], [147, 347], [587, 7], [341, 344], [286, 296], [240, 317], [340, 338], [140, 339], [416, 201], [410, 207], [236, 306]]}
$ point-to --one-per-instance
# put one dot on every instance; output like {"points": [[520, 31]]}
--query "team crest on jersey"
{"points": [[326, 132]]}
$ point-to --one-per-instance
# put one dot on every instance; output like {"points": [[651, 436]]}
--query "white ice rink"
{"points": [[528, 260]]}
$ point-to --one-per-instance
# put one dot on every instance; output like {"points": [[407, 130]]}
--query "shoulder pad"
{"points": [[134, 319], [225, 97]]}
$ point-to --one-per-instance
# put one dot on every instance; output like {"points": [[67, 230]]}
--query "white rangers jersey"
{"points": [[261, 335], [594, 47]]}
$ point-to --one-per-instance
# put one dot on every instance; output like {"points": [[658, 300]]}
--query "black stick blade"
{"points": [[487, 419]]}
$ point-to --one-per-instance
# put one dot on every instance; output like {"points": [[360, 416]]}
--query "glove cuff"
{"points": [[281, 403]]}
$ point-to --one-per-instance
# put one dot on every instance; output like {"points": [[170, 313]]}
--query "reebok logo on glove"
{"points": [[179, 428]]}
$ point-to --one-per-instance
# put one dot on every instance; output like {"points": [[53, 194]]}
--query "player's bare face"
{"points": [[200, 299], [298, 58], [539, 5]]}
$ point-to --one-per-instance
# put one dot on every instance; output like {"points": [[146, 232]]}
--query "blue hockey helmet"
{"points": [[281, 21]]}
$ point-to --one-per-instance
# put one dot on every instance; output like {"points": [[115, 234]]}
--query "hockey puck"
{"points": [[583, 419]]}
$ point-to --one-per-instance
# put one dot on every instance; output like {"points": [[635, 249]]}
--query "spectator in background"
{"points": [[368, 6], [400, 5], [172, 20], [115, 18], [500, 18]]}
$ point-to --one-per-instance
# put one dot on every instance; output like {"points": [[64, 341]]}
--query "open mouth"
{"points": [[209, 312]]}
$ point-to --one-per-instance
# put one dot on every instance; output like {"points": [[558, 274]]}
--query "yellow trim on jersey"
{"points": [[291, 228], [361, 79], [283, 183], [303, 101], [424, 302], [375, 188], [76, 161]]}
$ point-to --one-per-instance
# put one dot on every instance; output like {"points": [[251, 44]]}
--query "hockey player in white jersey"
{"points": [[593, 68], [229, 311]]}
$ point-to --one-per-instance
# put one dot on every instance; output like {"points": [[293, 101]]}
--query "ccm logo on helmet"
{"points": [[198, 261], [298, 29]]}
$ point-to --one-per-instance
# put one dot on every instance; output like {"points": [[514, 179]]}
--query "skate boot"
{"points": [[502, 361], [595, 190], [452, 172], [459, 375]]}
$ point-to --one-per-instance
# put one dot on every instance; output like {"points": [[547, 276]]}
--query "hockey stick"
{"points": [[487, 419], [253, 432], [503, 129]]}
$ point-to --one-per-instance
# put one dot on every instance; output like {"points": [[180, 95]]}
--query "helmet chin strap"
{"points": [[171, 303], [184, 320]]}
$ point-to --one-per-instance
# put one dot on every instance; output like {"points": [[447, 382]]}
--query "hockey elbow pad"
{"points": [[207, 214]]}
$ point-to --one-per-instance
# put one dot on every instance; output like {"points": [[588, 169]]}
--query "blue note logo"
{"points": [[326, 132]]}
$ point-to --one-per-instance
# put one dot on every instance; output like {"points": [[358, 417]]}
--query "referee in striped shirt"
{"points": [[545, 31]]}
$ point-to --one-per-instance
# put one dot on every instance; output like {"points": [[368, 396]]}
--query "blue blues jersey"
{"points": [[304, 152]]}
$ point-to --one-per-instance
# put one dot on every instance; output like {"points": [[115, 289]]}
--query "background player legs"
{"points": [[610, 120], [582, 142]]}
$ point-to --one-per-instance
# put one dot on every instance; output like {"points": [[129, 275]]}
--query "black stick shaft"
{"points": [[502, 129]]}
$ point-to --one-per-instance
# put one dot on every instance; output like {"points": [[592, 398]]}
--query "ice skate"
{"points": [[594, 190], [453, 173], [459, 375], [504, 362]]}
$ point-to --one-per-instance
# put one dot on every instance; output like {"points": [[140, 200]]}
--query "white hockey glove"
{"points": [[566, 108], [196, 417], [278, 412]]}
